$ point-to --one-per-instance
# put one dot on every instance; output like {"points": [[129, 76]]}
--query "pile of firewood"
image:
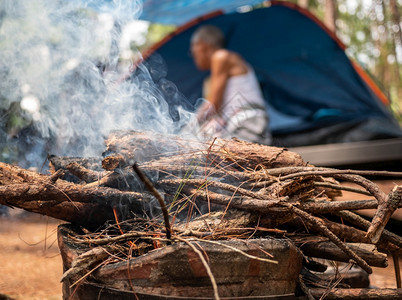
{"points": [[149, 191]]}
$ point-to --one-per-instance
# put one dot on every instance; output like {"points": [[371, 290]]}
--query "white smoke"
{"points": [[58, 62]]}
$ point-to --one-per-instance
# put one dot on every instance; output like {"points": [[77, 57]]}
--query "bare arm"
{"points": [[224, 64], [219, 75], [220, 68]]}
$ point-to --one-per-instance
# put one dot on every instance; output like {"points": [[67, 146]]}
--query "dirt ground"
{"points": [[31, 266], [30, 263]]}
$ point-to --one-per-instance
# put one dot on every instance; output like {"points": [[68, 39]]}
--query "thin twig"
{"points": [[86, 275], [56, 175], [395, 257], [206, 266], [324, 207], [236, 250], [370, 186], [119, 238], [217, 184], [302, 171], [341, 188], [158, 196], [305, 289], [239, 202]]}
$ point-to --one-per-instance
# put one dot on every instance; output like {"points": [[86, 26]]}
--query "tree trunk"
{"points": [[303, 3], [396, 28], [330, 14]]}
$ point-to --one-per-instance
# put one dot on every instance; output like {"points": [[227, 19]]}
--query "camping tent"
{"points": [[315, 93]]}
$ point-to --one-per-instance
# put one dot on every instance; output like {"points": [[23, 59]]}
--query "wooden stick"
{"points": [[60, 162], [362, 223], [324, 207], [328, 250], [341, 188], [206, 266], [239, 202], [324, 230], [395, 257], [383, 214], [146, 146], [83, 173], [73, 203], [305, 289], [370, 186], [212, 183], [354, 235], [293, 171], [158, 196]]}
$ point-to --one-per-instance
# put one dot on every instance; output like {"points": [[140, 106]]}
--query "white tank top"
{"points": [[242, 101], [241, 92]]}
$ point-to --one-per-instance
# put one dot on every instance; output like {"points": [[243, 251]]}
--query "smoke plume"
{"points": [[62, 90]]}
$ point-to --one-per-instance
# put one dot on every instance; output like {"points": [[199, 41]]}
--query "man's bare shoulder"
{"points": [[231, 61], [221, 56]]}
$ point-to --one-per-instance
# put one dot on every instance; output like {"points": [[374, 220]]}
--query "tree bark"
{"points": [[90, 206], [235, 154]]}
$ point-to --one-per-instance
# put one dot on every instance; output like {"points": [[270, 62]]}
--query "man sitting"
{"points": [[235, 106]]}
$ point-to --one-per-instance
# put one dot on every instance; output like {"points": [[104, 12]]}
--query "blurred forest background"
{"points": [[372, 32]]}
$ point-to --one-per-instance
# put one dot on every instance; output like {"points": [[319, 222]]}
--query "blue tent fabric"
{"points": [[307, 79], [170, 12], [178, 12]]}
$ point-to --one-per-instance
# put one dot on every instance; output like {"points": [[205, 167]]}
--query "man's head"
{"points": [[210, 35], [204, 41]]}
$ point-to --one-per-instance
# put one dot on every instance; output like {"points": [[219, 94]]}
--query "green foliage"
{"points": [[11, 122], [368, 30], [156, 32]]}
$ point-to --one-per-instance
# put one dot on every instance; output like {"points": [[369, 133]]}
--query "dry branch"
{"points": [[321, 248], [157, 195], [331, 236], [63, 200], [362, 223], [383, 214]]}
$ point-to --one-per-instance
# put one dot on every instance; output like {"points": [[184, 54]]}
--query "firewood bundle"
{"points": [[161, 190]]}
